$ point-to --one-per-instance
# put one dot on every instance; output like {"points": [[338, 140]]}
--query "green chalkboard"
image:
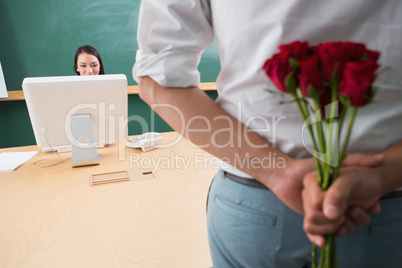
{"points": [[39, 38]]}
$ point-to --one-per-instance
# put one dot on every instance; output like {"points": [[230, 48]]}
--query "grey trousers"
{"points": [[251, 227]]}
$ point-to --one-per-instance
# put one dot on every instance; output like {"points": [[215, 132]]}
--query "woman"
{"points": [[87, 61]]}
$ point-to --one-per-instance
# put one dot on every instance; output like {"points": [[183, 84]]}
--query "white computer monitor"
{"points": [[3, 88], [84, 112]]}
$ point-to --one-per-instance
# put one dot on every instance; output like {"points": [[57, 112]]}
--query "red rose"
{"points": [[355, 51], [333, 54], [339, 53], [358, 52], [357, 81], [310, 74], [373, 55], [277, 68], [296, 49]]}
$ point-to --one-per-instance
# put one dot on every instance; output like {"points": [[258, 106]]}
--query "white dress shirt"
{"points": [[172, 35]]}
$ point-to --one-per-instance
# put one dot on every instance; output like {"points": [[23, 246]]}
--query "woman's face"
{"points": [[88, 64]]}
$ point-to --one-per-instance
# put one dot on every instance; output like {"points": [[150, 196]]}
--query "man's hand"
{"points": [[289, 187], [347, 202]]}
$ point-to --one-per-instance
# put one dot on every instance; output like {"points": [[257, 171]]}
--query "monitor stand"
{"points": [[83, 146]]}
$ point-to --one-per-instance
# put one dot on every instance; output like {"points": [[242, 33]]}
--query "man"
{"points": [[255, 207]]}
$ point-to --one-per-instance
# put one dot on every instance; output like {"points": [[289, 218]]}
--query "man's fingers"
{"points": [[310, 183], [365, 160], [315, 222], [316, 239], [319, 224], [336, 199], [359, 215], [376, 208], [348, 226], [341, 231]]}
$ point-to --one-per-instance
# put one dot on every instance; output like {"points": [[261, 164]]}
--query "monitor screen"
{"points": [[54, 102]]}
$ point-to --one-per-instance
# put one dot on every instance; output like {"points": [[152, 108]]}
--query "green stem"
{"points": [[330, 126], [341, 119], [313, 256], [304, 113], [320, 134], [322, 258], [328, 253], [303, 102], [334, 259], [353, 111], [340, 124]]}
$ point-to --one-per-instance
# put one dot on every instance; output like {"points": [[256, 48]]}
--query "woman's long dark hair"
{"points": [[89, 50]]}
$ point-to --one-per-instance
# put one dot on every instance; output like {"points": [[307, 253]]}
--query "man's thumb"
{"points": [[335, 200]]}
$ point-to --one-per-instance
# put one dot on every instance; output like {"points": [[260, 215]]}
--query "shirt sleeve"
{"points": [[172, 34]]}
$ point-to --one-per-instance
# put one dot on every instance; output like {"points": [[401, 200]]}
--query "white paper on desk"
{"points": [[10, 161], [3, 88]]}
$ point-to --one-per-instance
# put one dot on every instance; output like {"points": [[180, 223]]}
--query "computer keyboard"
{"points": [[67, 148]]}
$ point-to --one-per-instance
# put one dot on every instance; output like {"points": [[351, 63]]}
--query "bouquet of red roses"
{"points": [[328, 83]]}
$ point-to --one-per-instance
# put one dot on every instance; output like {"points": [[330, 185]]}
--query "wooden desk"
{"points": [[51, 217], [14, 95]]}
